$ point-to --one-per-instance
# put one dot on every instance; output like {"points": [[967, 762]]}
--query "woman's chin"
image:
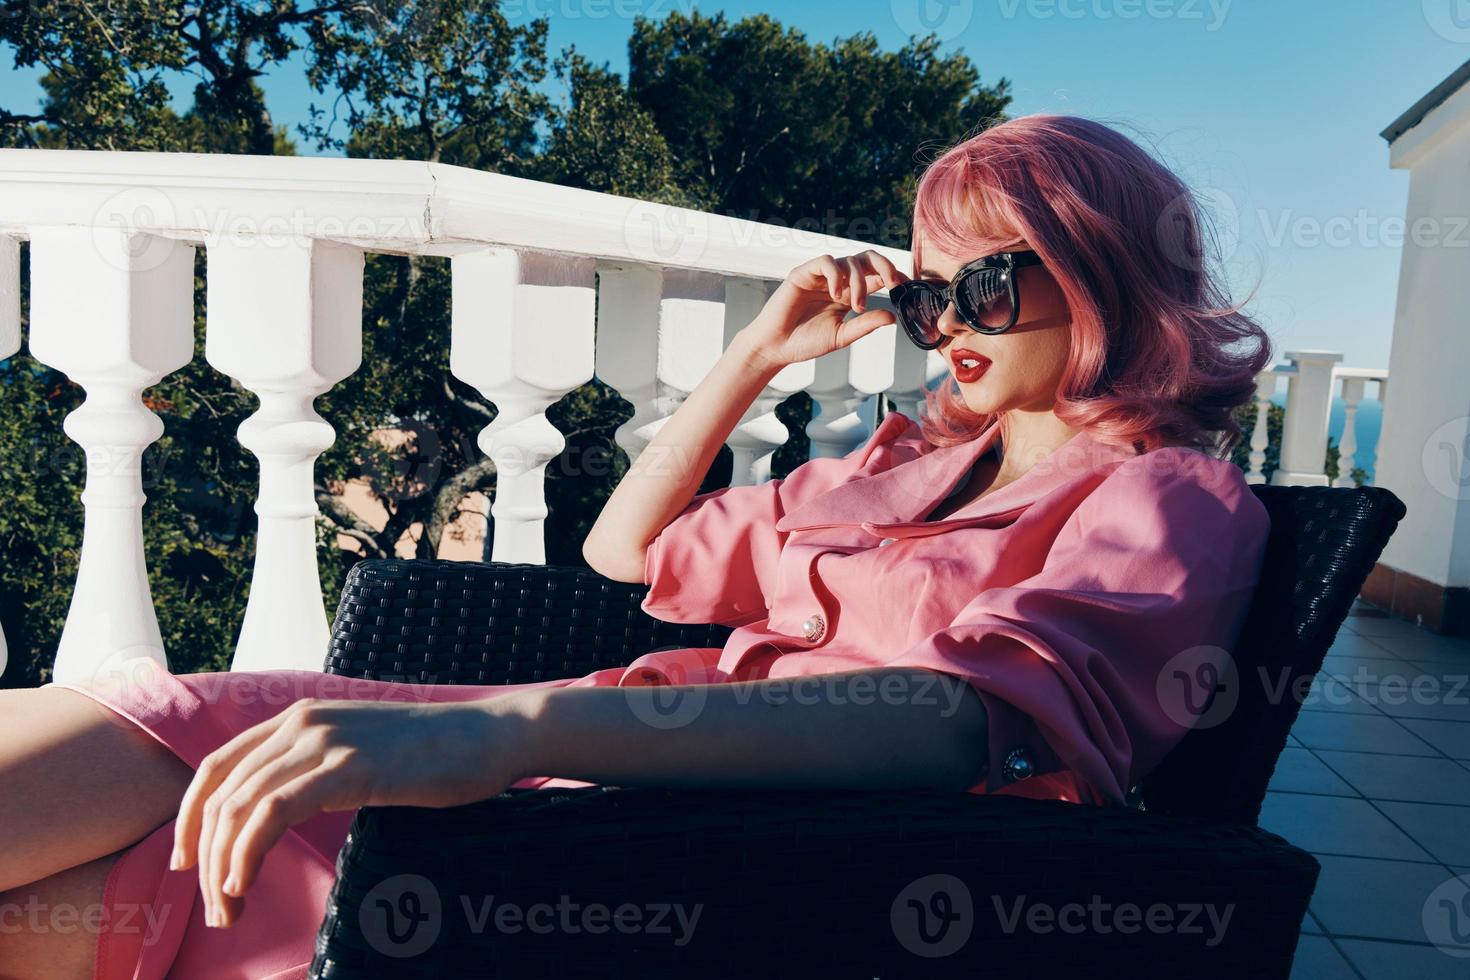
{"points": [[978, 398]]}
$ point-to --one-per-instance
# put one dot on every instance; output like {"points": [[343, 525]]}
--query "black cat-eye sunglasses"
{"points": [[984, 294]]}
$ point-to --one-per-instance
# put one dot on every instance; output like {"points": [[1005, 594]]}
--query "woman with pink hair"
{"points": [[1027, 591]]}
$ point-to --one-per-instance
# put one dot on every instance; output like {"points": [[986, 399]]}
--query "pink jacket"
{"points": [[1090, 603]]}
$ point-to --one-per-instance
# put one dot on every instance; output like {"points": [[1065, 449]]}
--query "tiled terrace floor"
{"points": [[1375, 782]]}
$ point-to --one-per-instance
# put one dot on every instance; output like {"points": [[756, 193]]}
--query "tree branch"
{"points": [[448, 497], [336, 510]]}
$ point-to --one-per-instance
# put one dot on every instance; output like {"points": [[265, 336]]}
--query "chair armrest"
{"points": [[651, 883], [450, 622]]}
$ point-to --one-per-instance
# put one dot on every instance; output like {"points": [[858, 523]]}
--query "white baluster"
{"points": [[760, 433], [628, 302], [847, 378], [285, 320], [914, 371], [1304, 430], [113, 309], [9, 336], [1352, 393], [1378, 446], [9, 296], [522, 335], [659, 333], [1260, 434]]}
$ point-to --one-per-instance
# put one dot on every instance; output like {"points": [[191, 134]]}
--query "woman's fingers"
{"points": [[836, 278], [211, 772], [892, 275], [856, 327], [296, 800], [263, 775], [857, 275], [222, 812]]}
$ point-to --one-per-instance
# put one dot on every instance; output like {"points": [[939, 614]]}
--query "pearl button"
{"points": [[813, 626], [1018, 765]]}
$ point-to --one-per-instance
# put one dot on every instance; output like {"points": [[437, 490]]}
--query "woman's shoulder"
{"points": [[1185, 477]]}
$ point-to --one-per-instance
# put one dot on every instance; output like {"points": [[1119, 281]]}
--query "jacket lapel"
{"points": [[893, 503]]}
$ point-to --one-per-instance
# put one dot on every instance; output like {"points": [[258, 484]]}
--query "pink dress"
{"points": [[1091, 603]]}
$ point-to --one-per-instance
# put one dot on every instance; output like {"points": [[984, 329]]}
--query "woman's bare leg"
{"points": [[49, 928], [77, 782]]}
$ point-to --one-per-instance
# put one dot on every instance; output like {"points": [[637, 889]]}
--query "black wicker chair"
{"points": [[589, 882]]}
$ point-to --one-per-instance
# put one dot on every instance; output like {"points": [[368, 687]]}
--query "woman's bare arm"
{"points": [[805, 317], [666, 475], [880, 728]]}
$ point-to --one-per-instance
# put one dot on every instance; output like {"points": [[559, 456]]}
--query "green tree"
{"points": [[767, 126]]}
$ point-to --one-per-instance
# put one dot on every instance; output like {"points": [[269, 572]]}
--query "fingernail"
{"points": [[175, 860], [232, 886]]}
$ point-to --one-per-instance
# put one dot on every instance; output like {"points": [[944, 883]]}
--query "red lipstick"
{"points": [[967, 373]]}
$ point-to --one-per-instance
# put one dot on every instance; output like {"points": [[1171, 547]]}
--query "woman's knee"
{"points": [[77, 782]]}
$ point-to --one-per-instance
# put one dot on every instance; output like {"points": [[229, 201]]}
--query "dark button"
{"points": [[1018, 765]]}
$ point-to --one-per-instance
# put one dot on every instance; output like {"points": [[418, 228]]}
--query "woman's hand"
{"points": [[323, 755], [804, 318]]}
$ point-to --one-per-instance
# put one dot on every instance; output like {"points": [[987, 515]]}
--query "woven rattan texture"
{"points": [[1323, 543], [447, 622], [805, 884]]}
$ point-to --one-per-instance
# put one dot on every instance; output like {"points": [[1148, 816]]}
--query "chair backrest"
{"points": [[1323, 543]]}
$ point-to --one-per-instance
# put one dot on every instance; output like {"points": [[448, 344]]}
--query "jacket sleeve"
{"points": [[715, 562], [1101, 661]]}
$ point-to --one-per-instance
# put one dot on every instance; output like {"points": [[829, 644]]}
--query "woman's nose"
{"points": [[950, 324]]}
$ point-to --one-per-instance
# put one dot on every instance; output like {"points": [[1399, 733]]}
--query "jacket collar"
{"points": [[896, 500]]}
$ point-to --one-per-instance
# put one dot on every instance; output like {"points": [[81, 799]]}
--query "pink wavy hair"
{"points": [[1159, 356]]}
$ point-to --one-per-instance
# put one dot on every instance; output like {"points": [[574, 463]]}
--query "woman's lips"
{"points": [[964, 373]]}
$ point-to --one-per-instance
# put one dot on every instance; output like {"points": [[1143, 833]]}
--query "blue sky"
{"points": [[1270, 108]]}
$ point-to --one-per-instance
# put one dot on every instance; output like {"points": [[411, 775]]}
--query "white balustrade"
{"points": [[629, 308], [9, 337], [1304, 431], [522, 335], [914, 371], [760, 433], [9, 296], [1307, 411], [1260, 431], [287, 344], [1354, 382], [549, 285], [114, 310], [846, 379], [659, 333]]}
